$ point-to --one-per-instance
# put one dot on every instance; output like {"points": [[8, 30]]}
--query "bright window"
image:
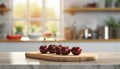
{"points": [[37, 16]]}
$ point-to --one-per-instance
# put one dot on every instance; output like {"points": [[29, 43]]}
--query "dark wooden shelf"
{"points": [[73, 10], [4, 10]]}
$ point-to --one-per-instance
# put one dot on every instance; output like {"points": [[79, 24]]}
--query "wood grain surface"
{"points": [[63, 40], [62, 58]]}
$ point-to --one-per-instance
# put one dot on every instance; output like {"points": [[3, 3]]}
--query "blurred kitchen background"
{"points": [[93, 22], [35, 18]]}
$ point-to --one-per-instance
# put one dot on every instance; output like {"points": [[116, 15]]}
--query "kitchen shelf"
{"points": [[63, 40], [4, 10], [73, 10]]}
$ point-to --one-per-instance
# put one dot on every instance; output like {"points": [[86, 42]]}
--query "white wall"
{"points": [[6, 19], [86, 46]]}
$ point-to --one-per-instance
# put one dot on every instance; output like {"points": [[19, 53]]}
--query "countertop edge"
{"points": [[63, 40]]}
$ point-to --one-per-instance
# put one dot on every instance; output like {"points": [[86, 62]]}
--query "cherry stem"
{"points": [[65, 44], [75, 44], [55, 38], [44, 41]]}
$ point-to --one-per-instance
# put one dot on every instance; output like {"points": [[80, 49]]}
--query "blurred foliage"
{"points": [[111, 22]]}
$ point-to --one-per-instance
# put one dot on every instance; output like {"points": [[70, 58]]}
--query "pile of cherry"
{"points": [[59, 49]]}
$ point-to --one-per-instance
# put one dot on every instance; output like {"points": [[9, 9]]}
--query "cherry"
{"points": [[65, 50], [43, 49], [58, 49], [76, 50], [51, 48]]}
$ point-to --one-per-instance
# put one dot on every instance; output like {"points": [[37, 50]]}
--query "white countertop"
{"points": [[16, 58]]}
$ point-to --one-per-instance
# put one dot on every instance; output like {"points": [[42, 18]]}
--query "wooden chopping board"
{"points": [[62, 58]]}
